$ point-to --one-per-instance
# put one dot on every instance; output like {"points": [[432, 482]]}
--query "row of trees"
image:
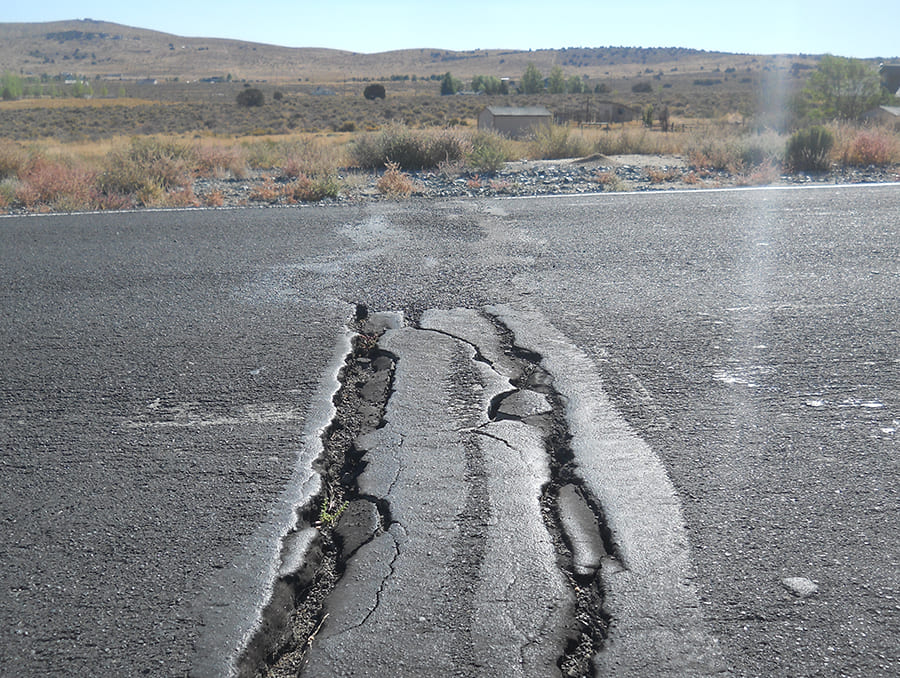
{"points": [[839, 88], [13, 86], [533, 82]]}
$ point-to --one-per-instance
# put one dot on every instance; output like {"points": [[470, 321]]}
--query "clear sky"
{"points": [[858, 28]]}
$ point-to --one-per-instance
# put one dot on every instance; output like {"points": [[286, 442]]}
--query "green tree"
{"points": [[842, 88], [81, 89], [532, 80], [250, 96], [11, 84], [556, 83], [575, 85], [449, 84], [489, 84]]}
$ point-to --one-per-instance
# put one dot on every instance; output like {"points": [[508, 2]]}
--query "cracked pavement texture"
{"points": [[166, 375], [465, 577]]}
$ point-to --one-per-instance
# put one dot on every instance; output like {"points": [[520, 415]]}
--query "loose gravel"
{"points": [[545, 177]]}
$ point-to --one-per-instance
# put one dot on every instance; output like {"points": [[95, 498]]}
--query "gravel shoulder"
{"points": [[593, 174]]}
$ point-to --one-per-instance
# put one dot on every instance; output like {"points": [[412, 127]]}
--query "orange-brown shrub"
{"points": [[871, 147], [395, 183], [55, 185]]}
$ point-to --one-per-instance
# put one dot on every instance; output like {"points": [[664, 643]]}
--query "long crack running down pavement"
{"points": [[454, 534]]}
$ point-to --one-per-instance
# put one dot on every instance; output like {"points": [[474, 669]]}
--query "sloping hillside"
{"points": [[97, 48]]}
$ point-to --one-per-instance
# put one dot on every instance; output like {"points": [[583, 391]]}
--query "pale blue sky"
{"points": [[862, 28]]}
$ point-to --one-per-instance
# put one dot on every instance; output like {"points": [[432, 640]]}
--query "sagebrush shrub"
{"points": [[490, 151], [12, 159], [56, 185], [307, 156], [222, 162], [409, 149], [148, 164], [807, 150], [445, 146], [309, 189], [711, 152]]}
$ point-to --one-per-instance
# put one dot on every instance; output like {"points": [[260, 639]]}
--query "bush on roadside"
{"points": [[221, 162], [56, 185], [712, 152], [763, 149], [309, 189], [12, 160], [308, 156], [490, 151], [864, 148], [148, 169], [7, 194], [550, 142], [807, 149], [394, 183], [407, 148], [635, 140]]}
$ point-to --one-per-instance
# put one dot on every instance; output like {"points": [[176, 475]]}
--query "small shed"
{"points": [[610, 111], [512, 121], [890, 77]]}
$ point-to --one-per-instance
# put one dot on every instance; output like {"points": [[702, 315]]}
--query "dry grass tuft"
{"points": [[609, 181], [222, 162], [659, 175], [12, 160], [302, 189], [636, 140], [551, 142], [394, 183]]}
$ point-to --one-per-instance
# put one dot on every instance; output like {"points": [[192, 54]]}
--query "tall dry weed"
{"points": [[409, 149], [632, 140], [12, 159], [551, 142], [148, 169], [222, 162]]}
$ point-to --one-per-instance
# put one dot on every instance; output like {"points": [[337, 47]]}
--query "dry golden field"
{"points": [[157, 112]]}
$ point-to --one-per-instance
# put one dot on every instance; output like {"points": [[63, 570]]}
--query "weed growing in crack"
{"points": [[330, 514]]}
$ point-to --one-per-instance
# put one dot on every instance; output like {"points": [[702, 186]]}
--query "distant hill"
{"points": [[96, 48]]}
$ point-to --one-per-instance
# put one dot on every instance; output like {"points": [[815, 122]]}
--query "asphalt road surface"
{"points": [[722, 368]]}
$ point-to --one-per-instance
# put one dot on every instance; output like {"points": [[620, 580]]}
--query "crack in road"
{"points": [[591, 621], [283, 637], [350, 519]]}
